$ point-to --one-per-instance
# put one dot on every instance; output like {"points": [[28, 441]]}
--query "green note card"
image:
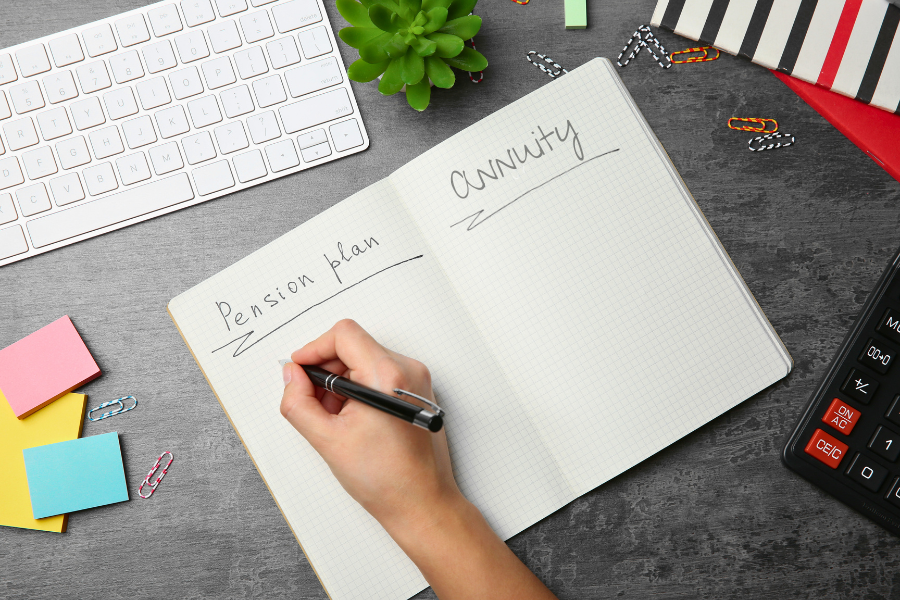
{"points": [[576, 14]]}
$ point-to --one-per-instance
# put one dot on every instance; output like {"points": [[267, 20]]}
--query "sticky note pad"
{"points": [[44, 366], [576, 14], [59, 422], [74, 475]]}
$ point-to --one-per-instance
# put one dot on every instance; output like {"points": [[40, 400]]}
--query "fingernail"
{"points": [[286, 373]]}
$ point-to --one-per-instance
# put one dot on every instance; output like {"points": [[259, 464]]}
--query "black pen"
{"points": [[432, 420]]}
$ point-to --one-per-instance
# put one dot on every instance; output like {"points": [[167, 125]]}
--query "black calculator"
{"points": [[848, 440]]}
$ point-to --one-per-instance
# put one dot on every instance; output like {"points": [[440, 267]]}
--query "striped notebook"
{"points": [[848, 46]]}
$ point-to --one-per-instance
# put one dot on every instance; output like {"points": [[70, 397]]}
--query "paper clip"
{"points": [[549, 61], [480, 73], [152, 471], [772, 146], [522, 2], [695, 59], [760, 122], [643, 38], [117, 411]]}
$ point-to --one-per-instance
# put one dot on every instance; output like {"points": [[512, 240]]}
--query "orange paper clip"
{"points": [[760, 122], [695, 59], [522, 2]]}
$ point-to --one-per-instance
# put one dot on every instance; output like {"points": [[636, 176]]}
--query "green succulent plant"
{"points": [[411, 42]]}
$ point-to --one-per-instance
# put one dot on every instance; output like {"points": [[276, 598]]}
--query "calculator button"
{"points": [[894, 494], [893, 413], [877, 356], [826, 449], [859, 386], [889, 326], [885, 443], [866, 472], [841, 416]]}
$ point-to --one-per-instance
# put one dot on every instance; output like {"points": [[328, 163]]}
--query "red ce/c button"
{"points": [[826, 449]]}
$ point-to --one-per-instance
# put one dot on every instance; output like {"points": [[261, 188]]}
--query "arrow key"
{"points": [[346, 135]]}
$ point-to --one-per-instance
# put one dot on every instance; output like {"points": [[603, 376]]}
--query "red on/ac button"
{"points": [[826, 449], [841, 417]]}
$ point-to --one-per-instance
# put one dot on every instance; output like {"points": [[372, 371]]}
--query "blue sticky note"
{"points": [[76, 474]]}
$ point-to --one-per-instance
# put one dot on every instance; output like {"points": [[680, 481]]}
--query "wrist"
{"points": [[417, 529]]}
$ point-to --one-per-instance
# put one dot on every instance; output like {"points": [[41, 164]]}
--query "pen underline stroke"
{"points": [[475, 222], [240, 350]]}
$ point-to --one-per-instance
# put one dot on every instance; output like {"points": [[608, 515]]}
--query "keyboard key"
{"points": [[20, 134], [93, 76], [26, 97], [172, 121], [32, 60], [230, 7], [99, 179], [316, 110], [90, 216], [312, 138], [186, 83], [106, 142], [66, 189], [224, 36], [153, 93], [197, 12], [164, 20], [877, 356], [2, 148], [126, 66], [346, 135], [893, 495], [120, 103], [282, 155], [283, 52], [295, 14], [204, 111], [269, 91], [198, 148], [191, 46], [893, 413], [60, 86], [132, 30], [33, 199], [314, 76], [213, 178], [860, 386], [256, 3], [66, 50], [236, 101], [12, 242], [249, 166], [87, 113], [256, 26], [218, 72], [315, 42], [316, 152], [159, 56], [99, 40], [826, 449], [5, 112], [885, 444], [39, 162], [889, 325], [10, 173], [263, 127], [866, 472], [231, 137], [133, 168], [841, 416], [7, 209], [251, 62], [7, 69], [166, 158], [139, 132], [73, 152], [54, 123]]}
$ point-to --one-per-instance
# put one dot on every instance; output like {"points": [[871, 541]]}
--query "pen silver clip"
{"points": [[437, 409]]}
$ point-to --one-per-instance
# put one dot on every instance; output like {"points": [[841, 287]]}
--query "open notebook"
{"points": [[576, 310]]}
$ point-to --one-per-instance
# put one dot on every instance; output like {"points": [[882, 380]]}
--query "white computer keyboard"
{"points": [[163, 107]]}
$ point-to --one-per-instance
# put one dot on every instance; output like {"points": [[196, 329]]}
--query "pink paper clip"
{"points": [[153, 485]]}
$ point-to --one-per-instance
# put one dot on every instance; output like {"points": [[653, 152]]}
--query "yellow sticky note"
{"points": [[59, 421]]}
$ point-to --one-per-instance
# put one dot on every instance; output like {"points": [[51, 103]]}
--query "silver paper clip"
{"points": [[117, 411]]}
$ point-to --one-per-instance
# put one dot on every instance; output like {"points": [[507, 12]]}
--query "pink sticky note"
{"points": [[44, 366]]}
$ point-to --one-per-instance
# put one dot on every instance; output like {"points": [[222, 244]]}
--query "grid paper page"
{"points": [[595, 280], [408, 305]]}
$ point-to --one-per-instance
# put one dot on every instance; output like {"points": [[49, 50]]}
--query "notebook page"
{"points": [[596, 281], [384, 276]]}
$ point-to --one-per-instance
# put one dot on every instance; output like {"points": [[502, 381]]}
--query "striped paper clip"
{"points": [[480, 73], [643, 38], [760, 122], [559, 70], [521, 2], [115, 411], [773, 145], [695, 59], [153, 485]]}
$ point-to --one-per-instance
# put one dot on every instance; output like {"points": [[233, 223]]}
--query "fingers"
{"points": [[301, 407], [347, 342]]}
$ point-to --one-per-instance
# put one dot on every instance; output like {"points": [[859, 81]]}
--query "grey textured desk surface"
{"points": [[715, 516]]}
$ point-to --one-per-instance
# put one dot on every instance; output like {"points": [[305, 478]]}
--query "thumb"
{"points": [[300, 406]]}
